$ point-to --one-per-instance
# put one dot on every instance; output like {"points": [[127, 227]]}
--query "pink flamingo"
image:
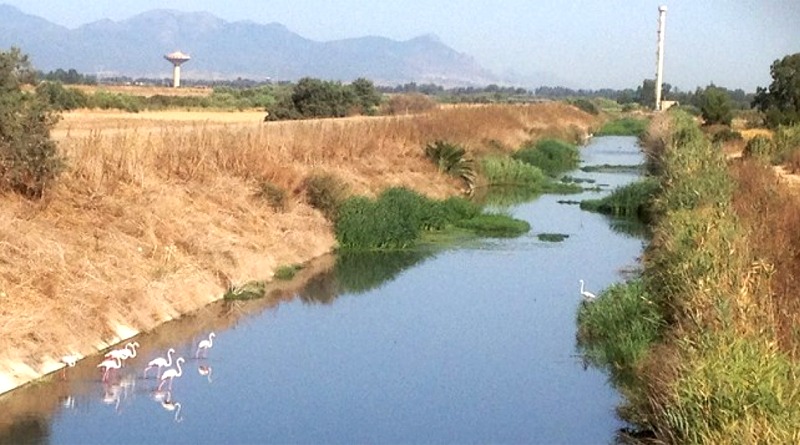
{"points": [[113, 363], [205, 345], [160, 362], [171, 373]]}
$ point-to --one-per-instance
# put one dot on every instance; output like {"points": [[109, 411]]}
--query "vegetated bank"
{"points": [[146, 225], [703, 344]]}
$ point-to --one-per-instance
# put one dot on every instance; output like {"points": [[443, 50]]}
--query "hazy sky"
{"points": [[575, 43]]}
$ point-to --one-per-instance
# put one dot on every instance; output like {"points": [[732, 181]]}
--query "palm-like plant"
{"points": [[452, 159]]}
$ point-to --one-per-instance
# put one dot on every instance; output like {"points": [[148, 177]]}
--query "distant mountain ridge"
{"points": [[226, 50]]}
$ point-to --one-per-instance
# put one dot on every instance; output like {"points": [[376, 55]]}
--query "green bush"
{"points": [[393, 221], [585, 105], [552, 156], [506, 171], [632, 201], [29, 160]]}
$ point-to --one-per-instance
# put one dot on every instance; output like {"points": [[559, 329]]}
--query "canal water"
{"points": [[474, 344]]}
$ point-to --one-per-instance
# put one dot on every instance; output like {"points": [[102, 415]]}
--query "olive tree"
{"points": [[781, 101]]}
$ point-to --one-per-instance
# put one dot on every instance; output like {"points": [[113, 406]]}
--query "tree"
{"points": [[366, 96], [318, 98], [715, 106], [29, 159], [647, 93], [781, 102]]}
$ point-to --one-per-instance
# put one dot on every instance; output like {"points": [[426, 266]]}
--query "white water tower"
{"points": [[662, 17], [177, 58]]}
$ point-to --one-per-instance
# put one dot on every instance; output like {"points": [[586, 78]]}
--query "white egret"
{"points": [[588, 296]]}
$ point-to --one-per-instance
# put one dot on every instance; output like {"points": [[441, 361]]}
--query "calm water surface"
{"points": [[470, 345]]}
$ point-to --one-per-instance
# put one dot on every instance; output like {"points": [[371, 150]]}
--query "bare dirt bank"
{"points": [[155, 221]]}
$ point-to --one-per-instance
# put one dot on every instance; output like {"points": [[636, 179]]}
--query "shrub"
{"points": [[585, 105], [451, 159], [409, 104], [326, 192], [29, 160], [393, 221], [272, 194], [552, 156], [505, 171], [760, 147], [633, 200]]}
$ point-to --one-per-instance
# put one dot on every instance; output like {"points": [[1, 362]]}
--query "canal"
{"points": [[474, 344]]}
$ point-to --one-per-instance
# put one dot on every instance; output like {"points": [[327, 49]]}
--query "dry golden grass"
{"points": [[146, 91], [156, 216]]}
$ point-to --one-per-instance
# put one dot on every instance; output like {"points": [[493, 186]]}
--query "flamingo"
{"points": [[205, 345], [588, 296], [129, 351], [160, 362], [70, 361], [113, 363], [171, 373]]}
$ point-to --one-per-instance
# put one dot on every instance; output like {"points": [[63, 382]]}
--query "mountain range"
{"points": [[221, 50]]}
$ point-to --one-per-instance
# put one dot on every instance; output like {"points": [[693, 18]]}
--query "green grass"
{"points": [[495, 225], [551, 156], [287, 272], [626, 126], [630, 201], [398, 217], [600, 334]]}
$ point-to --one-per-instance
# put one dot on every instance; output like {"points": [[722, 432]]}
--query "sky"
{"points": [[574, 43]]}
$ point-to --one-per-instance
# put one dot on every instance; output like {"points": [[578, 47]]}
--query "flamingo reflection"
{"points": [[169, 405], [112, 395], [205, 371]]}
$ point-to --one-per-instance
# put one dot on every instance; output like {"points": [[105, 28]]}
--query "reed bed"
{"points": [[154, 220], [721, 365]]}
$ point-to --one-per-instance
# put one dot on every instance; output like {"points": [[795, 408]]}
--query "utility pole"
{"points": [[662, 17]]}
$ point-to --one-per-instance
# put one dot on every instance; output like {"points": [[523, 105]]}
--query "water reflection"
{"points": [[205, 371], [360, 272]]}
